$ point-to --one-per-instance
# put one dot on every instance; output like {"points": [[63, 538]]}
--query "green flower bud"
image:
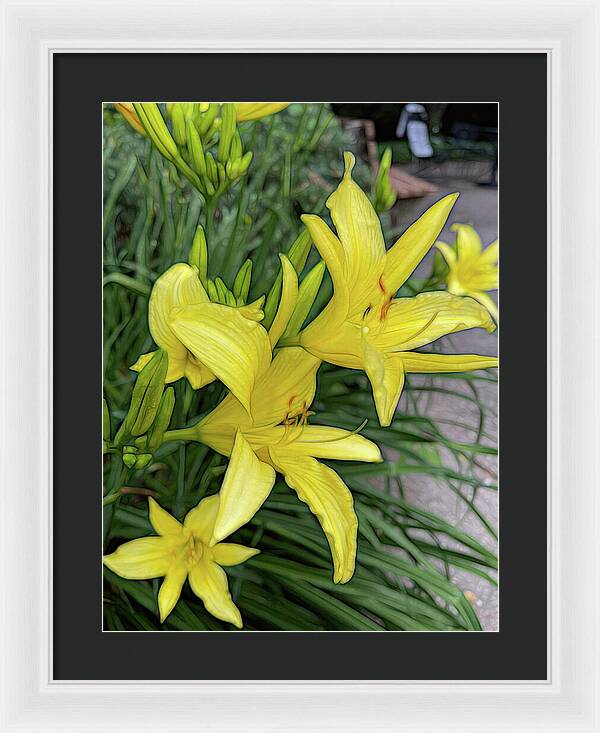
{"points": [[199, 254], [179, 126], [307, 293], [211, 169], [227, 131], [143, 460], [245, 162], [236, 149], [385, 196], [156, 129], [241, 284], [194, 145], [129, 459], [297, 255], [147, 393], [162, 421], [212, 291], [207, 118], [105, 422]]}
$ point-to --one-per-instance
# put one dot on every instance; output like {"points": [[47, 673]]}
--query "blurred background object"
{"points": [[428, 141]]}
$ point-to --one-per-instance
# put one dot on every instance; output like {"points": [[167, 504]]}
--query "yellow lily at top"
{"points": [[472, 270], [274, 436], [129, 113], [205, 340], [364, 326], [244, 111], [256, 110], [183, 551]]}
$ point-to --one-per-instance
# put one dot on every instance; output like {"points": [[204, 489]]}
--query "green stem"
{"points": [[187, 434]]}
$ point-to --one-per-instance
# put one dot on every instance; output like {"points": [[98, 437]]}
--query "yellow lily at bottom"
{"points": [[364, 326], [180, 552], [277, 438]]}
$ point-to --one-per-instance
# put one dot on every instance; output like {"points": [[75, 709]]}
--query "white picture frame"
{"points": [[569, 33]]}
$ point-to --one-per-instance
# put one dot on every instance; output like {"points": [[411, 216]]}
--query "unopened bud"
{"points": [[199, 254]]}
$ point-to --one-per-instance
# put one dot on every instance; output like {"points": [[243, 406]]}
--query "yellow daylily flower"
{"points": [[129, 113], [184, 551], [255, 110], [472, 269], [364, 326], [275, 436], [243, 111], [206, 340]]}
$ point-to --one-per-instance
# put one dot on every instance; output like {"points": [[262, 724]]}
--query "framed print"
{"points": [[339, 422]]}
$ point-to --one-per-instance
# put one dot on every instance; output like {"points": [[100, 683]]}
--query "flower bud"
{"points": [[385, 196], [241, 284], [297, 255], [199, 254], [307, 293], [143, 460], [156, 129], [179, 126], [227, 131], [162, 420], [147, 393]]}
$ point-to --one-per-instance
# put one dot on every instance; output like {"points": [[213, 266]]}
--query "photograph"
{"points": [[300, 366]]}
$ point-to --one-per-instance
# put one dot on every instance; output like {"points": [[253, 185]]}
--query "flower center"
{"points": [[194, 550], [296, 415], [382, 308]]}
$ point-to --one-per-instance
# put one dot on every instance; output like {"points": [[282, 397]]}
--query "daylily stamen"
{"points": [[259, 443], [366, 275]]}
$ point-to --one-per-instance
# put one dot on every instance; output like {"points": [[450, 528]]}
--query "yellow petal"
{"points": [[177, 367], [170, 589], [386, 374], [255, 110], [128, 112], [247, 483], [330, 500], [414, 244], [490, 254], [414, 322], [359, 230], [178, 286], [201, 519], [235, 349], [147, 557], [447, 253], [287, 303], [444, 363], [219, 427], [164, 523], [468, 243], [288, 384], [209, 583], [487, 303], [331, 250], [197, 375], [336, 343], [320, 441], [227, 553]]}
